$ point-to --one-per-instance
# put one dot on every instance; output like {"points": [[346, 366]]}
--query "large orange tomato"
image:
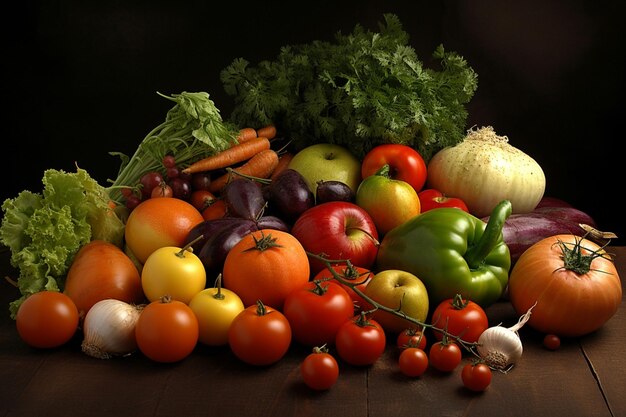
{"points": [[101, 270], [159, 222], [266, 265], [573, 282]]}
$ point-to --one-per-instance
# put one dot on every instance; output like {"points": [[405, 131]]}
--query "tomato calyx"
{"points": [[320, 349], [458, 303], [318, 289], [362, 319], [575, 260], [261, 310], [264, 242]]}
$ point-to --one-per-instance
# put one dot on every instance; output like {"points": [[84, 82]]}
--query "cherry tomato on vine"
{"points": [[411, 337], [445, 356], [259, 335], [47, 319], [360, 341], [316, 311], [319, 369], [167, 330], [413, 361], [463, 318], [551, 341], [405, 164], [476, 376]]}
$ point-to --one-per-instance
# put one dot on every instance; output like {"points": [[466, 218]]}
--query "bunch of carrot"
{"points": [[252, 155]]}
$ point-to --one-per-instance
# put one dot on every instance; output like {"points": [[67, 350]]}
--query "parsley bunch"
{"points": [[364, 89]]}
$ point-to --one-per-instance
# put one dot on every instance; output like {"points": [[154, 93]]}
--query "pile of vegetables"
{"points": [[364, 89]]}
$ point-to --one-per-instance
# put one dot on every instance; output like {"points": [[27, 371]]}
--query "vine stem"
{"points": [[469, 346]]}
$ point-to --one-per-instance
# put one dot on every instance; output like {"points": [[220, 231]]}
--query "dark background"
{"points": [[81, 77]]}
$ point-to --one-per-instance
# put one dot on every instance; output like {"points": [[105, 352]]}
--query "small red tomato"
{"points": [[316, 311], [201, 199], [405, 164], [319, 369], [552, 341], [413, 361], [357, 276], [411, 338], [259, 335], [431, 198], [445, 356], [47, 319], [360, 341], [162, 190], [463, 318], [167, 330], [476, 376]]}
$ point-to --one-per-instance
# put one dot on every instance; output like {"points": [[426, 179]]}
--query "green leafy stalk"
{"points": [[193, 129], [363, 89]]}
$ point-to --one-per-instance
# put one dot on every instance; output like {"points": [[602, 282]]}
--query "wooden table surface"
{"points": [[585, 377]]}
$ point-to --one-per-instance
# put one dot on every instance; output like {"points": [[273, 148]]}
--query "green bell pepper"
{"points": [[452, 252]]}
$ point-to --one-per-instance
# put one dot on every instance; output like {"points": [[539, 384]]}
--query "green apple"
{"points": [[398, 290], [327, 162]]}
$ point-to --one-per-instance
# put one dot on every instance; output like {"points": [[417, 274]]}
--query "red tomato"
{"points": [[259, 335], [360, 341], [476, 377], [319, 369], [167, 330], [462, 318], [201, 199], [405, 162], [552, 341], [413, 361], [357, 276], [411, 338], [446, 356], [47, 319], [431, 198], [316, 311]]}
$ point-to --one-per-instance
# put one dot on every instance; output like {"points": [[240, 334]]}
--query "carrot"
{"points": [[246, 134], [260, 165], [233, 155], [283, 162], [268, 131]]}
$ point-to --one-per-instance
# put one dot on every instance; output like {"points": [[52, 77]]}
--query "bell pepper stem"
{"points": [[476, 255]]}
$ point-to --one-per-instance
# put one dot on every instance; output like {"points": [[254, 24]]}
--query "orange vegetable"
{"points": [[260, 165], [283, 162], [267, 132], [233, 155], [246, 134]]}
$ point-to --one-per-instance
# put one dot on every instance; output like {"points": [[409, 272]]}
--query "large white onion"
{"points": [[485, 169]]}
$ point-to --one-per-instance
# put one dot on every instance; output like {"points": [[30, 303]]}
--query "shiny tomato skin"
{"points": [[167, 331], [476, 377], [411, 338], [445, 357], [316, 311], [431, 199], [260, 335], [319, 370], [463, 318], [360, 342], [405, 162], [552, 341], [413, 361], [47, 319], [358, 276]]}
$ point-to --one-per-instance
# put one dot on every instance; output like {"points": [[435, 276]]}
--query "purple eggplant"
{"points": [[289, 195], [272, 222], [551, 217], [244, 198], [213, 252], [207, 229], [333, 191]]}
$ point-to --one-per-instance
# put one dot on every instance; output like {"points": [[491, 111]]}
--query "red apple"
{"points": [[431, 198], [339, 230]]}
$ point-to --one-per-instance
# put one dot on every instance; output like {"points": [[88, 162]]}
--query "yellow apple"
{"points": [[398, 290], [327, 162]]}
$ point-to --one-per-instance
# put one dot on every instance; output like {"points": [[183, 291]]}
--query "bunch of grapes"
{"points": [[174, 183]]}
